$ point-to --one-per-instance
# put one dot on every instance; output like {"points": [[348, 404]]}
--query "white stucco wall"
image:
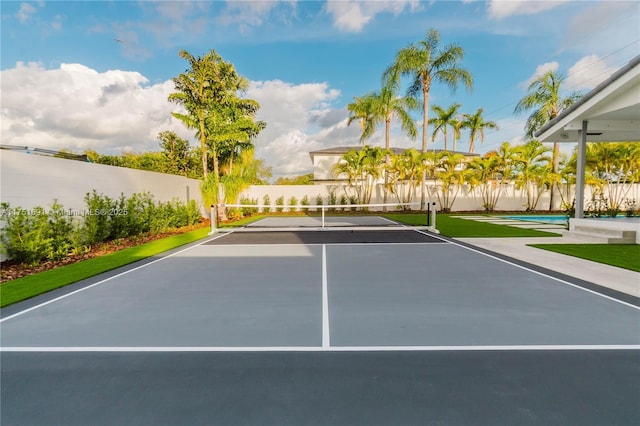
{"points": [[511, 199], [29, 180]]}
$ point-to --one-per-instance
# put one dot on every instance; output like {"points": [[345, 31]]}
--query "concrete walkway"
{"points": [[619, 279]]}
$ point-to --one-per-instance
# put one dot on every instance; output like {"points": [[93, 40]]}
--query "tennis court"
{"points": [[363, 322]]}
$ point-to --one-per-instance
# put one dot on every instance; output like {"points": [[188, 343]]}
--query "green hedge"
{"points": [[36, 235]]}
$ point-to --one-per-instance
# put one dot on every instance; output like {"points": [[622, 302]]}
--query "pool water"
{"points": [[555, 219]]}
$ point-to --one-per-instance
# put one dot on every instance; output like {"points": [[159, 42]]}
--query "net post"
{"points": [[433, 216], [428, 214], [322, 216], [214, 218]]}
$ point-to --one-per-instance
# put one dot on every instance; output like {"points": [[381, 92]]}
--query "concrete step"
{"points": [[612, 236], [606, 232]]}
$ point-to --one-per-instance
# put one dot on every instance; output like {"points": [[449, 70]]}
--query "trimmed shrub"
{"points": [[293, 202], [266, 202]]}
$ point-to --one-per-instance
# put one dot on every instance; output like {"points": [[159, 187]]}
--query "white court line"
{"points": [[64, 296], [535, 272], [319, 348], [326, 339]]}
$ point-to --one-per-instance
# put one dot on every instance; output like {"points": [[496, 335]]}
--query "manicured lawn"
{"points": [[463, 228], [625, 256], [33, 285]]}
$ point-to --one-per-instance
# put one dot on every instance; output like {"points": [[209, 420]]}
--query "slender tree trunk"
{"points": [[425, 116], [222, 214], [203, 145], [387, 145], [555, 167]]}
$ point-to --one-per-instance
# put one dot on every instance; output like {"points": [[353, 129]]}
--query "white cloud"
{"points": [[353, 15], [78, 108], [299, 119], [25, 12], [75, 107], [540, 70], [587, 73], [500, 9]]}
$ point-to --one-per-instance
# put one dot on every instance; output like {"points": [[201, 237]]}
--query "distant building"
{"points": [[325, 159]]}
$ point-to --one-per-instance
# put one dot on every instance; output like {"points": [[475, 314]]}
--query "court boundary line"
{"points": [[64, 296], [326, 337], [526, 268], [434, 348]]}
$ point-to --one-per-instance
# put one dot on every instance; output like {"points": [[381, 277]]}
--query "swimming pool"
{"points": [[555, 219]]}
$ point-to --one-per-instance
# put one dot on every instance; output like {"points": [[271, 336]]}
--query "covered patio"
{"points": [[608, 113]]}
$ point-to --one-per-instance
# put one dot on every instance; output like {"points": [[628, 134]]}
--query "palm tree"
{"points": [[546, 101], [532, 167], [386, 105], [425, 62], [405, 173], [451, 174], [476, 125], [488, 177], [362, 168], [360, 109], [208, 81], [456, 125], [445, 118]]}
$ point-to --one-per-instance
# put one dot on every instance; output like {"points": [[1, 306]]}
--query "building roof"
{"points": [[612, 111]]}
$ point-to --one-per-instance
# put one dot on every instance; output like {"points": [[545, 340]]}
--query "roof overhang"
{"points": [[612, 111]]}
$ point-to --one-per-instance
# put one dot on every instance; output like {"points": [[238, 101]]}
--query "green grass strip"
{"points": [[465, 228], [625, 256], [42, 282]]}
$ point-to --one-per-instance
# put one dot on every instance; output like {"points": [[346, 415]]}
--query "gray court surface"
{"points": [[323, 328]]}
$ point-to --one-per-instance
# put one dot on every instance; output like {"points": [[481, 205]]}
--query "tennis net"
{"points": [[352, 217]]}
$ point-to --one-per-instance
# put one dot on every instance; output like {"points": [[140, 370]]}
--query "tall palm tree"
{"points": [[545, 99], [456, 125], [446, 118], [425, 63], [386, 105], [360, 109], [476, 125]]}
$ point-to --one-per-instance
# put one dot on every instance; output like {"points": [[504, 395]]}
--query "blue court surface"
{"points": [[327, 328]]}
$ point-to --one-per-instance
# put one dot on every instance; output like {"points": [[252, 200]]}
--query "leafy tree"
{"points": [[385, 106], [488, 177], [544, 97], [451, 175], [175, 152], [614, 167], [296, 180], [476, 125], [232, 128], [208, 91], [446, 118], [361, 109], [362, 168], [426, 62], [405, 173], [532, 167]]}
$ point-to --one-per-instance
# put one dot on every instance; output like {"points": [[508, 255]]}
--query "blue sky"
{"points": [[96, 75]]}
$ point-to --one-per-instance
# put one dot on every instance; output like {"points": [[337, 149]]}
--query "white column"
{"points": [[580, 169]]}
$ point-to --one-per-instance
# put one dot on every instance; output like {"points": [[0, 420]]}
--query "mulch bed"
{"points": [[10, 270]]}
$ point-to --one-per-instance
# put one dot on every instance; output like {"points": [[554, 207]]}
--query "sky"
{"points": [[97, 74]]}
